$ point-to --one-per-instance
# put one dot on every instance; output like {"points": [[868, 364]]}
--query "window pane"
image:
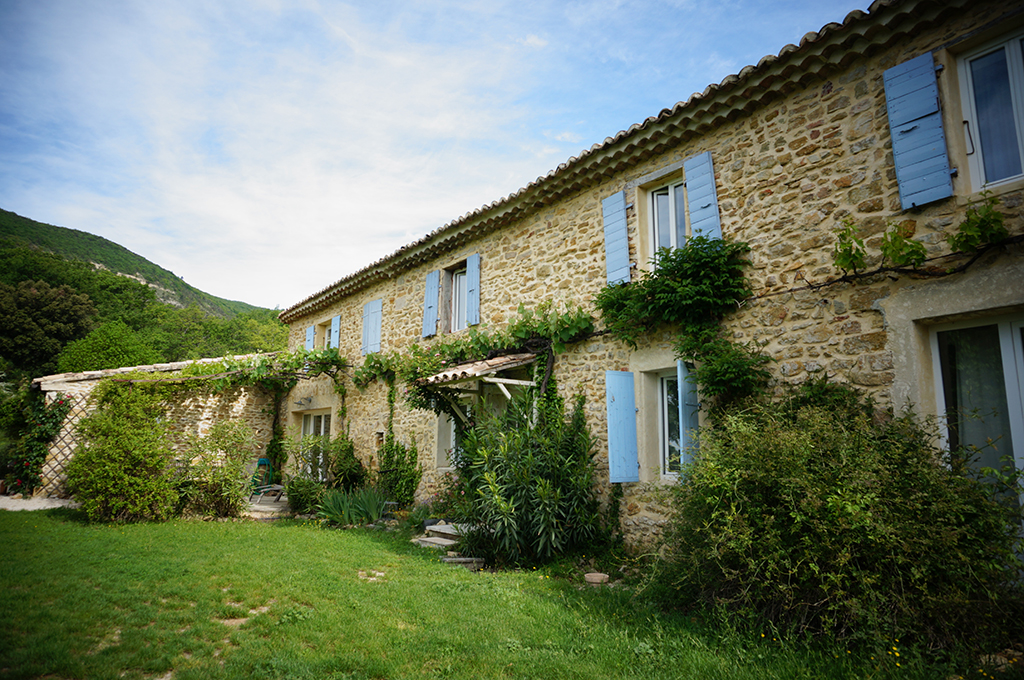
{"points": [[997, 130], [459, 294], [680, 216], [670, 440], [662, 220], [975, 392]]}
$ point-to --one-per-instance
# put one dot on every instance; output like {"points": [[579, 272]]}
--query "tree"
{"points": [[112, 345], [38, 321]]}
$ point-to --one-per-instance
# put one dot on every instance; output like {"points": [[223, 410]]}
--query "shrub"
{"points": [[823, 518], [360, 506], [531, 483], [400, 472], [216, 480], [304, 494], [346, 471], [123, 469]]}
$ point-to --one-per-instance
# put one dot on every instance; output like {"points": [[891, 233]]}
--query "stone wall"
{"points": [[191, 413], [789, 171]]}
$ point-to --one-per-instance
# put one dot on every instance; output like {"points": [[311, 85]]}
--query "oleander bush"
{"points": [[823, 516], [529, 475], [216, 479]]}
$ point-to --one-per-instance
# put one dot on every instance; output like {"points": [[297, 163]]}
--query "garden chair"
{"points": [[262, 481]]}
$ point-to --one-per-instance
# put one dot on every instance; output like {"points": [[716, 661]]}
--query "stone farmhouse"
{"points": [[902, 114]]}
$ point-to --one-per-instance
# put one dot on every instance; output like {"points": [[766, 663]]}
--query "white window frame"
{"points": [[459, 303], [675, 192], [1011, 350], [1012, 43], [664, 436], [308, 427], [322, 339]]}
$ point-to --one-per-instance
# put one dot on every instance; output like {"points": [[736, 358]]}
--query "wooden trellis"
{"points": [[62, 449]]}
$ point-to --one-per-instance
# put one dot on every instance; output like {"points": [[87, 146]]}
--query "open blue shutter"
{"points": [[473, 290], [918, 139], [616, 238], [335, 332], [701, 196], [689, 411], [310, 336], [430, 298], [372, 315], [623, 459]]}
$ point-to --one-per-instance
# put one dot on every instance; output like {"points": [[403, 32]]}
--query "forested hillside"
{"points": [[61, 314], [79, 245]]}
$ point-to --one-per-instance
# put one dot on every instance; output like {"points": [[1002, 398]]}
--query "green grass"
{"points": [[190, 599]]}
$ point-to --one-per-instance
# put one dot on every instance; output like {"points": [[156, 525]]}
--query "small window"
{"points": [[451, 298], [668, 216], [993, 104], [670, 438]]}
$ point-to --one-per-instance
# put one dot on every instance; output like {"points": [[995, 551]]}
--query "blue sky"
{"points": [[263, 149]]}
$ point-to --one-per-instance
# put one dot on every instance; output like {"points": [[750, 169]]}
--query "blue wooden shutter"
{"points": [[701, 196], [918, 139], [623, 459], [473, 290], [430, 297], [616, 238], [372, 316], [310, 336], [335, 332], [689, 411]]}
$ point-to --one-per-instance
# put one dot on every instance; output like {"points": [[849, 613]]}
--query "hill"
{"points": [[79, 245]]}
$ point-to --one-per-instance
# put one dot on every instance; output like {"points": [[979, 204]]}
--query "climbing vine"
{"points": [[692, 288]]}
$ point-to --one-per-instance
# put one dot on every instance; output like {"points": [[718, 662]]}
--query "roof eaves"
{"points": [[754, 86]]}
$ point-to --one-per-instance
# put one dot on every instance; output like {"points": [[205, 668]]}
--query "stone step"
{"points": [[435, 542], [471, 563], [444, 530]]}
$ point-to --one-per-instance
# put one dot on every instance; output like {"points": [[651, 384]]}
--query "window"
{"points": [[312, 451], [979, 369], [451, 298], [326, 335], [459, 303], [680, 201], [669, 412], [993, 105]]}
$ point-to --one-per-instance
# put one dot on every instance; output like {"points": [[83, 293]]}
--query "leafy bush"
{"points": [[216, 480], [346, 471], [821, 517], [531, 484], [400, 472], [304, 494], [451, 500], [360, 506], [112, 345], [123, 469]]}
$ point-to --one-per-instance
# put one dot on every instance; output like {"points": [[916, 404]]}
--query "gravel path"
{"points": [[11, 503]]}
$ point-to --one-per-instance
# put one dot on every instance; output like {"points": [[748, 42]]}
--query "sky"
{"points": [[264, 149]]}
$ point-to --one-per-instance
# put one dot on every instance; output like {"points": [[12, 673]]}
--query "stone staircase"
{"points": [[445, 537]]}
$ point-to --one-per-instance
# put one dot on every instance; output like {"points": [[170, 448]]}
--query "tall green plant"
{"points": [[215, 476], [530, 475]]}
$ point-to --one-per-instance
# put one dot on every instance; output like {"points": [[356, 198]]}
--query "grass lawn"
{"points": [[189, 599]]}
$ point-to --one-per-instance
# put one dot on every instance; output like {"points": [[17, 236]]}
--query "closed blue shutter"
{"points": [[689, 411], [616, 238], [918, 139], [472, 290], [335, 332], [372, 316], [701, 196], [430, 297], [623, 460], [310, 336]]}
